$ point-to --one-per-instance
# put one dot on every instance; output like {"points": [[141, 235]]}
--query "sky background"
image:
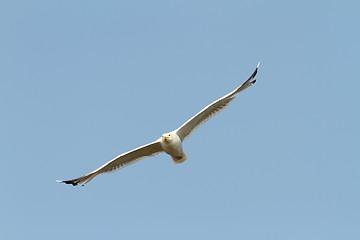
{"points": [[83, 81]]}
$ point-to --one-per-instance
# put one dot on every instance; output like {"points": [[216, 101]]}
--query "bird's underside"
{"points": [[170, 143]]}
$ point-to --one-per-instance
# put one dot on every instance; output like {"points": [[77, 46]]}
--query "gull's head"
{"points": [[167, 137]]}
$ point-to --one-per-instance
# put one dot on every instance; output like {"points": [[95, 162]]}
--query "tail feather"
{"points": [[180, 159]]}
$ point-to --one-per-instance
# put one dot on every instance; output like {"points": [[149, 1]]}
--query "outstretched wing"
{"points": [[119, 162], [205, 114]]}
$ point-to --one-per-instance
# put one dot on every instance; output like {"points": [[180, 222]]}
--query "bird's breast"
{"points": [[172, 148]]}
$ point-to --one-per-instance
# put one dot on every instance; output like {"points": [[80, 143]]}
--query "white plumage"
{"points": [[170, 143]]}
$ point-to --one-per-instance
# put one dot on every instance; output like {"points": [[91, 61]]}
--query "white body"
{"points": [[172, 145]]}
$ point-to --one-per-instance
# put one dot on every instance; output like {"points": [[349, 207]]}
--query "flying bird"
{"points": [[171, 142]]}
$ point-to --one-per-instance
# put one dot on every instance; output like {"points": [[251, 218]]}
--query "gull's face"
{"points": [[166, 137]]}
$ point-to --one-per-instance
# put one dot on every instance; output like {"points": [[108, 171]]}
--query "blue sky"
{"points": [[83, 81]]}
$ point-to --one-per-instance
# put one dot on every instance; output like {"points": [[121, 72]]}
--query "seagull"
{"points": [[171, 142]]}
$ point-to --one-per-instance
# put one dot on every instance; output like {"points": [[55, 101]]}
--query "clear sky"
{"points": [[83, 81]]}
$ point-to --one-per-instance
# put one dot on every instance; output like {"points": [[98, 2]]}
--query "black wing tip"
{"points": [[254, 73], [67, 182]]}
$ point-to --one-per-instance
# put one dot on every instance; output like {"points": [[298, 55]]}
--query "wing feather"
{"points": [[215, 107], [119, 162]]}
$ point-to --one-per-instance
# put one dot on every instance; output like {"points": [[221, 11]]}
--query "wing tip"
{"points": [[67, 182], [254, 74]]}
